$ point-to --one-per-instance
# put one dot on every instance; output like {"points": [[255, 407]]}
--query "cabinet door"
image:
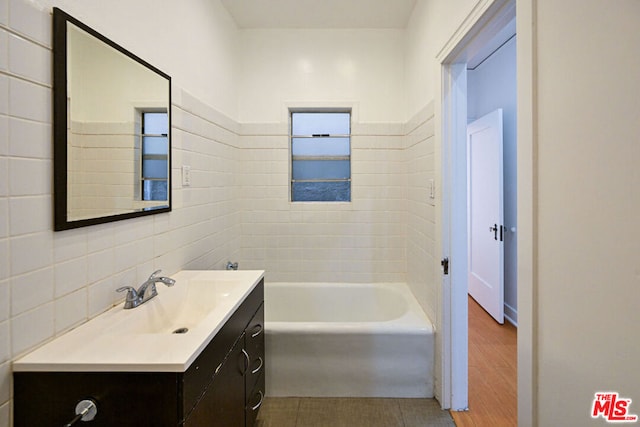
{"points": [[223, 404]]}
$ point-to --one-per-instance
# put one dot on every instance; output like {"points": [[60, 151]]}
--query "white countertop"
{"points": [[141, 339]]}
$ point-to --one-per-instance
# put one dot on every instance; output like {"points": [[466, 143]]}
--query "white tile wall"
{"points": [[4, 177], [70, 310], [70, 276], [5, 415], [5, 344], [31, 290], [4, 218], [4, 94], [31, 252], [28, 177], [27, 18], [29, 60], [4, 258], [32, 328], [4, 300], [361, 241], [30, 214], [29, 139], [4, 12], [4, 49], [29, 100], [421, 276], [4, 135]]}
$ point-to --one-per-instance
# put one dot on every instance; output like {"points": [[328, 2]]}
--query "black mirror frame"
{"points": [[61, 221]]}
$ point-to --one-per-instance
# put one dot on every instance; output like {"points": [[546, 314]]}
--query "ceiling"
{"points": [[320, 13]]}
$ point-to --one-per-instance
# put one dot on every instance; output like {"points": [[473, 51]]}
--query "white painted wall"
{"points": [[431, 24], [194, 41], [490, 86], [279, 67], [588, 235]]}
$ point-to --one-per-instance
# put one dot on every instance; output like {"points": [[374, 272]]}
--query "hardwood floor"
{"points": [[492, 372]]}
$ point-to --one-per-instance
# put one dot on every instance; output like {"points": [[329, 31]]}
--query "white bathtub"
{"points": [[350, 340]]}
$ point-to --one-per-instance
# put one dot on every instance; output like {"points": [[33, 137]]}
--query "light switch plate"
{"points": [[186, 176]]}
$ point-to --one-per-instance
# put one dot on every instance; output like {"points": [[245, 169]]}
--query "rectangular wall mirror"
{"points": [[112, 129]]}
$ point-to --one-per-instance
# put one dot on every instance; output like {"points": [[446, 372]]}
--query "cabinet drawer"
{"points": [[254, 402], [254, 348], [123, 398]]}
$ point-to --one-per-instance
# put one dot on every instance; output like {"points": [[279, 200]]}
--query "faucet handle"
{"points": [[132, 299], [131, 292]]}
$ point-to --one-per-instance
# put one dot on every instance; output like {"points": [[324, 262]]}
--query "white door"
{"points": [[485, 215]]}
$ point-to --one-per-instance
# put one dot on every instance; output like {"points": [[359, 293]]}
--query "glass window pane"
{"points": [[156, 123], [321, 191], [155, 145], [154, 190], [152, 168], [320, 123], [320, 147], [321, 169]]}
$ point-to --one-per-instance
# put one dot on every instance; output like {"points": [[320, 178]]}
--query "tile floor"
{"points": [[352, 412]]}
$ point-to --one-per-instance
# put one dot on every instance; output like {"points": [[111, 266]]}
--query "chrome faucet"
{"points": [[146, 291]]}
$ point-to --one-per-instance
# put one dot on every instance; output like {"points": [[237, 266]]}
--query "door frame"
{"points": [[484, 21]]}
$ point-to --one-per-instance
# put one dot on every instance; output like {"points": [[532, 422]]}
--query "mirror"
{"points": [[112, 129]]}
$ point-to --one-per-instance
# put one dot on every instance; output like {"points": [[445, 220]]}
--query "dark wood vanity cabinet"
{"points": [[254, 376], [223, 387], [236, 391]]}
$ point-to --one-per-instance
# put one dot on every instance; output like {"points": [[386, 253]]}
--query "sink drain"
{"points": [[181, 331]]}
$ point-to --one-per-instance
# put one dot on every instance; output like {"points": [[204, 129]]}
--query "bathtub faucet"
{"points": [[146, 291], [232, 265]]}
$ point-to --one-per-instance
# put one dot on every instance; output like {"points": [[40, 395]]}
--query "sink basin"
{"points": [[164, 334], [184, 305]]}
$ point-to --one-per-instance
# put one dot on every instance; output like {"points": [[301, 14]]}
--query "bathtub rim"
{"points": [[414, 321]]}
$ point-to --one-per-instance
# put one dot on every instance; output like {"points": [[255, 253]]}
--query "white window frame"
{"points": [[292, 158]]}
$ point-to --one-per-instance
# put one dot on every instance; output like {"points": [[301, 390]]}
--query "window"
{"points": [[320, 156], [155, 156]]}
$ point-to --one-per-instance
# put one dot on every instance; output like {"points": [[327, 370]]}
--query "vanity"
{"points": [[193, 356]]}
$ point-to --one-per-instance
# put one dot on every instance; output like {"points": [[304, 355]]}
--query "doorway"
{"points": [[484, 23], [492, 113]]}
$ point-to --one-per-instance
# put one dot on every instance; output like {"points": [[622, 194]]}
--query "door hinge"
{"points": [[445, 265]]}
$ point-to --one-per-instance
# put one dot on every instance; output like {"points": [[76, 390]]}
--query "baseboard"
{"points": [[511, 314]]}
